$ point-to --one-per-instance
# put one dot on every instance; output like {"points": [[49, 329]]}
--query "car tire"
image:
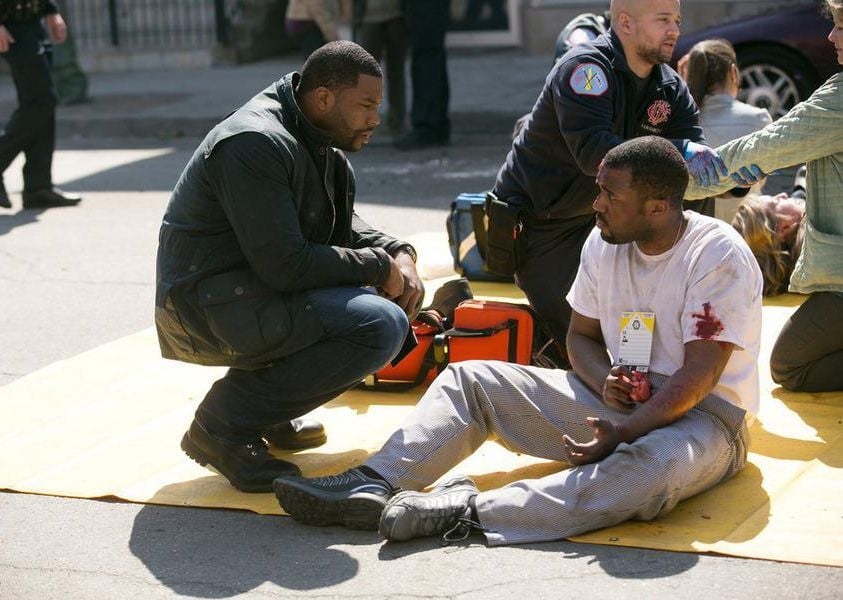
{"points": [[774, 78]]}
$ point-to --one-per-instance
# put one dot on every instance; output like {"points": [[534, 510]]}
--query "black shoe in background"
{"points": [[248, 466], [298, 434], [50, 198], [4, 197], [352, 499], [418, 140]]}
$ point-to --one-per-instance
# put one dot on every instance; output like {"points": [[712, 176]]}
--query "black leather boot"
{"points": [[297, 434], [248, 466]]}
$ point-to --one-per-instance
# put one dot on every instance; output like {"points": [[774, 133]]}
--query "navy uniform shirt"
{"points": [[588, 106]]}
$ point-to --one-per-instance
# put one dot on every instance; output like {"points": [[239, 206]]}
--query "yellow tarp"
{"points": [[108, 423]]}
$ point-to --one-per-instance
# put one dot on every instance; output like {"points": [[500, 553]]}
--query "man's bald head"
{"points": [[631, 7], [647, 30]]}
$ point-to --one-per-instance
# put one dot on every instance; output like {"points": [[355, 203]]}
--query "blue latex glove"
{"points": [[748, 176], [705, 164]]}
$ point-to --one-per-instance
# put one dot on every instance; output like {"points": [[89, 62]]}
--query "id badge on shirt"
{"points": [[636, 340]]}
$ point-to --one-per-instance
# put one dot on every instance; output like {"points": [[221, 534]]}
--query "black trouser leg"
{"points": [[426, 23], [31, 128], [388, 41], [395, 38], [549, 269]]}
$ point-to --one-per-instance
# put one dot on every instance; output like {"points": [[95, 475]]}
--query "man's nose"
{"points": [[597, 205]]}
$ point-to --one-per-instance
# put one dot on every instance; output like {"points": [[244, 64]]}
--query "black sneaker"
{"points": [[298, 434], [445, 510], [248, 466], [352, 499]]}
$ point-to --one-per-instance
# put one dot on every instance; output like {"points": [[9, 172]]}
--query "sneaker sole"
{"points": [[199, 456], [363, 511]]}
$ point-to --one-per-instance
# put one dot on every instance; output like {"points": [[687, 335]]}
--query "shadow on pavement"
{"points": [[195, 553], [9, 221], [616, 561]]}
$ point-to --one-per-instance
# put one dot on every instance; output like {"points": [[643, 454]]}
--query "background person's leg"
{"points": [[808, 354], [426, 24], [31, 128], [362, 332], [395, 34]]}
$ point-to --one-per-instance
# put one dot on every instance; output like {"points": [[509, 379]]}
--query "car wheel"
{"points": [[774, 78]]}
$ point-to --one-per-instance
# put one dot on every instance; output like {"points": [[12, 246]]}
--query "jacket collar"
{"points": [[285, 88]]}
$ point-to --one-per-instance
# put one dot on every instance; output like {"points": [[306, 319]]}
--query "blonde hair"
{"points": [[834, 8], [757, 225]]}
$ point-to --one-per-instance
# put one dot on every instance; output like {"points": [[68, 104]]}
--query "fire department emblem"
{"points": [[658, 112], [588, 79]]}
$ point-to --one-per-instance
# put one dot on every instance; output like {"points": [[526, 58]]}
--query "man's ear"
{"points": [[656, 206], [323, 99], [625, 23]]}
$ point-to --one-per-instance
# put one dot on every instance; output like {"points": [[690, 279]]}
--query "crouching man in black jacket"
{"points": [[264, 267]]}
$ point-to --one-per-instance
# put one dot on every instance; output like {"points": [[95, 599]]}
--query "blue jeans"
{"points": [[361, 333]]}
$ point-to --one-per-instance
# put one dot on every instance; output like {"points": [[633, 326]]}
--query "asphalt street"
{"points": [[73, 279]]}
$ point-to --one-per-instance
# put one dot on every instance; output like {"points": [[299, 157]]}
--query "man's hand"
{"points": [[705, 164], [413, 293], [6, 39], [617, 388], [606, 439], [393, 287], [57, 28]]}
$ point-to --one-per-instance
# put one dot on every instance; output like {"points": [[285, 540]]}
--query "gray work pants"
{"points": [[528, 410]]}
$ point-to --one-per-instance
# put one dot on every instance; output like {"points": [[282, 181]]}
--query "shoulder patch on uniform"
{"points": [[589, 79]]}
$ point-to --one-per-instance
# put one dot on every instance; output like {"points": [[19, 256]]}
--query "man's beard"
{"points": [[654, 56]]}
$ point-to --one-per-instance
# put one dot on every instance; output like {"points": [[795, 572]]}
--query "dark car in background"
{"points": [[783, 56]]}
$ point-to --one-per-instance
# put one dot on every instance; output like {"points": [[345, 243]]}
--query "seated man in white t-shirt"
{"points": [[638, 442]]}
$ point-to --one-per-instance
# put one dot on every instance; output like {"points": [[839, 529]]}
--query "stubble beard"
{"points": [[654, 56]]}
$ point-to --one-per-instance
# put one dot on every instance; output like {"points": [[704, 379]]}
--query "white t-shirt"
{"points": [[708, 286]]}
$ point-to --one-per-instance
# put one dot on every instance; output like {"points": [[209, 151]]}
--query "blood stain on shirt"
{"points": [[708, 325]]}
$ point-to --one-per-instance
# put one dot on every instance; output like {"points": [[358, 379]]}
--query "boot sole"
{"points": [[362, 511], [199, 456]]}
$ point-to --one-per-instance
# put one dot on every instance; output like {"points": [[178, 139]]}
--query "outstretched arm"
{"points": [[811, 130]]}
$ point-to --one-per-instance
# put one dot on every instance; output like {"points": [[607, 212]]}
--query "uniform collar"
{"points": [[286, 91]]}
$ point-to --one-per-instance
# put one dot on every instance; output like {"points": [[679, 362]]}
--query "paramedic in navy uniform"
{"points": [[596, 96]]}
